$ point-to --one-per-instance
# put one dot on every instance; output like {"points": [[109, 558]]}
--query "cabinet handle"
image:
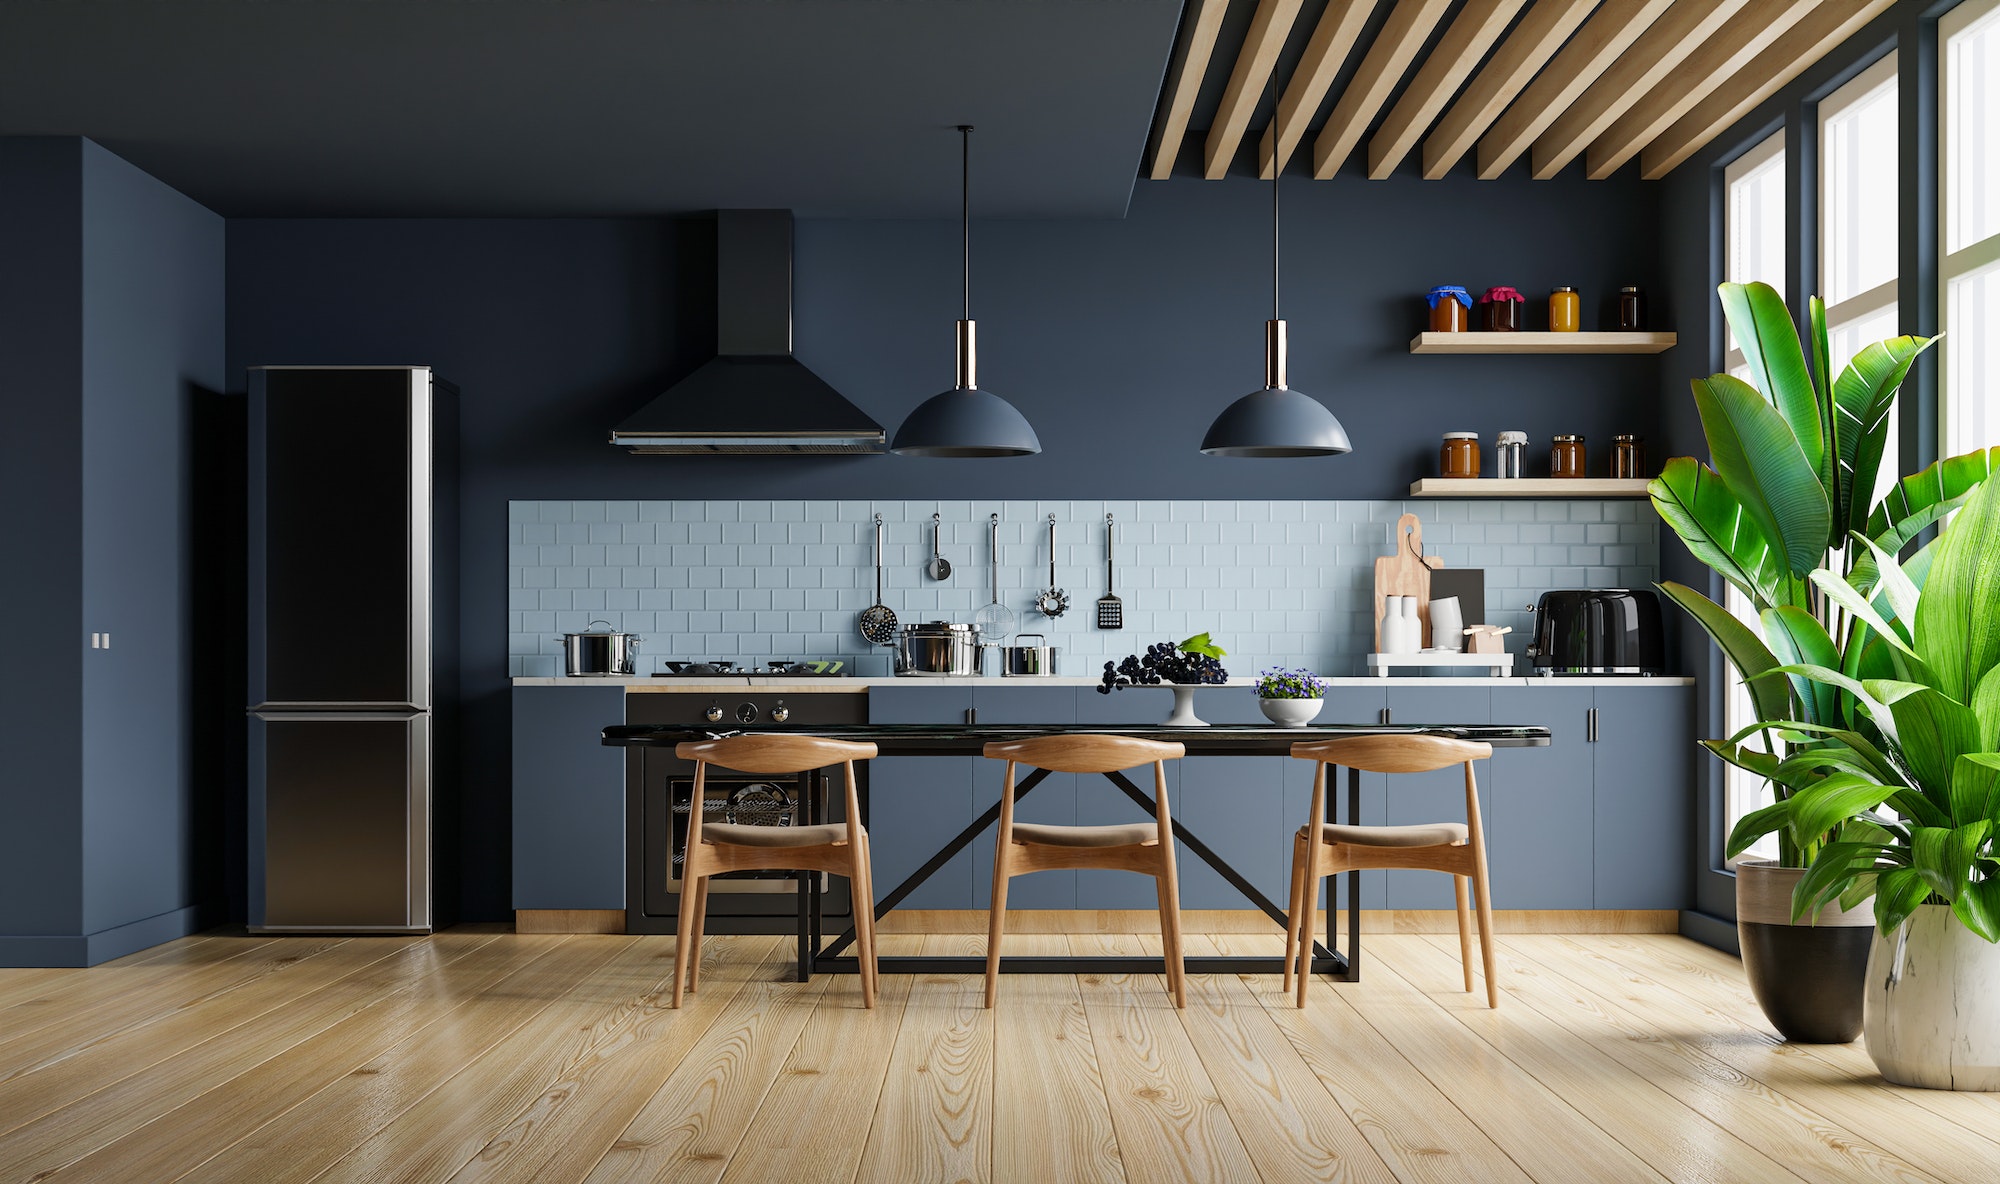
{"points": [[1385, 715], [1590, 726], [972, 715]]}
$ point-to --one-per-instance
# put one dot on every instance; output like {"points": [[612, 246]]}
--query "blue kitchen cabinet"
{"points": [[917, 803], [1054, 801], [1643, 761], [1437, 796], [1541, 845], [569, 798]]}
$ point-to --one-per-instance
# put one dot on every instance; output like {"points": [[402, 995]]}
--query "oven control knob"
{"points": [[780, 713], [746, 713], [713, 714]]}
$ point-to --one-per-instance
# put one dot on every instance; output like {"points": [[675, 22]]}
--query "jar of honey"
{"points": [[1566, 457], [1500, 311], [1631, 310], [1458, 456], [1565, 311], [1451, 308], [1628, 456]]}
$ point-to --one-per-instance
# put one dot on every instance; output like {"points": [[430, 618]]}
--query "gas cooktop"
{"points": [[782, 668]]}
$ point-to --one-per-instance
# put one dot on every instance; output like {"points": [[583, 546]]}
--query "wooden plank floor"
{"points": [[481, 1054]]}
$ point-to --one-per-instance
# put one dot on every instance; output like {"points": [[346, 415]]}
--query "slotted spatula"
{"points": [[995, 622], [1110, 610]]}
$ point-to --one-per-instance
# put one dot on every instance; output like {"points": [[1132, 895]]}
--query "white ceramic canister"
{"points": [[1447, 624]]}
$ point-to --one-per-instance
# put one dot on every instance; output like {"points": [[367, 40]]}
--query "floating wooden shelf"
{"points": [[1529, 487], [1542, 343]]}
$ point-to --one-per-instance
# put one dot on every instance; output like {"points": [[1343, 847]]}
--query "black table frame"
{"points": [[1327, 957]]}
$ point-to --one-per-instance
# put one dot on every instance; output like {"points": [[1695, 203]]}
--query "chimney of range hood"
{"points": [[754, 396]]}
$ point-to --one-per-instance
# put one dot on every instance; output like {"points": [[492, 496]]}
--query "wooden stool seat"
{"points": [[717, 848], [1428, 834], [1321, 848], [825, 834], [1143, 847], [1127, 834]]}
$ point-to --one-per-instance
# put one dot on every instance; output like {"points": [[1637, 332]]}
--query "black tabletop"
{"points": [[961, 739]]}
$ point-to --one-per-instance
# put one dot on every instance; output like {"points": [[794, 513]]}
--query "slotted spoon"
{"points": [[995, 622], [878, 624], [1110, 609], [1053, 601]]}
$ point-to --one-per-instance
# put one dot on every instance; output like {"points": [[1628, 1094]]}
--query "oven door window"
{"points": [[743, 802]]}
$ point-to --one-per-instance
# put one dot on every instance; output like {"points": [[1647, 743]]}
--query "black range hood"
{"points": [[754, 396]]}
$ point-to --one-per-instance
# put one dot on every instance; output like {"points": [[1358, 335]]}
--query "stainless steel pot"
{"points": [[599, 653], [937, 649], [1028, 661]]}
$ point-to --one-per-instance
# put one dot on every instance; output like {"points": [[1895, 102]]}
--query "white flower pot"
{"points": [[1290, 713], [1932, 1013]]}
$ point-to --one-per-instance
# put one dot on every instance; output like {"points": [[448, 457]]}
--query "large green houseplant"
{"points": [[1794, 458], [1925, 744]]}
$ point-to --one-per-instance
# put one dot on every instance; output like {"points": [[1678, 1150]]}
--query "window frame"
{"points": [[1970, 257], [1750, 161], [1883, 72]]}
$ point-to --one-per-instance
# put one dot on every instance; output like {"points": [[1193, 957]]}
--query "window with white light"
{"points": [[1858, 225], [1969, 215]]}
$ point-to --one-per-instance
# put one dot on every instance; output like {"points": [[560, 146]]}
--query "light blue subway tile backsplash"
{"points": [[1277, 582]]}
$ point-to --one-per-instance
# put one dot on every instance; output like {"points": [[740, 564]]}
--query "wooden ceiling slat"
{"points": [[1588, 55], [1730, 50], [1785, 59], [1203, 24], [1268, 30], [1543, 31], [1409, 25], [1635, 74], [1464, 45], [1339, 27]]}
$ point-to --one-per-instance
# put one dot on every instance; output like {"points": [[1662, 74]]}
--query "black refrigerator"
{"points": [[353, 560]]}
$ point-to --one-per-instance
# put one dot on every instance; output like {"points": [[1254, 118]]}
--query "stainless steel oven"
{"points": [[660, 788]]}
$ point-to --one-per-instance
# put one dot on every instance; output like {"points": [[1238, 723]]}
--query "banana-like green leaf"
{"points": [[1754, 761], [1755, 825], [1770, 343], [1932, 731], [1924, 497], [1879, 764], [1796, 637], [1944, 857], [1745, 650], [1975, 787], [1808, 763], [1897, 589], [1986, 706], [1753, 449], [1832, 869], [1829, 418], [1863, 399], [1877, 712], [1858, 889], [1719, 531], [1844, 595], [1958, 620], [1898, 892], [1824, 805], [1978, 908]]}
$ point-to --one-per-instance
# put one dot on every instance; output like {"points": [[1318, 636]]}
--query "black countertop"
{"points": [[963, 739]]}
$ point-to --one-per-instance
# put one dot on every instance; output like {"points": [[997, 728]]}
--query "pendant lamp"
{"points": [[1276, 421], [966, 421]]}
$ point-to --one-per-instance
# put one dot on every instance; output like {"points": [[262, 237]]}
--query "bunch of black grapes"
{"points": [[1163, 662]]}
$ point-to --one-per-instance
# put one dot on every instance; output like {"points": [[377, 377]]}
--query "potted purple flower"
{"points": [[1290, 698]]}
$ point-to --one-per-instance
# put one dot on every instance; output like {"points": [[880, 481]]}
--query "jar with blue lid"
{"points": [[1451, 309]]}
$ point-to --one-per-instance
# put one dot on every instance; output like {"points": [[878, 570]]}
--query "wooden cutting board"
{"points": [[1405, 573]]}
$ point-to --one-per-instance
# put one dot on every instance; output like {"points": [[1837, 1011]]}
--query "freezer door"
{"points": [[344, 800], [340, 522]]}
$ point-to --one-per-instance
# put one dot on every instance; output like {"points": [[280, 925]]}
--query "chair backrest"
{"points": [[768, 753], [1393, 753], [1085, 753]]}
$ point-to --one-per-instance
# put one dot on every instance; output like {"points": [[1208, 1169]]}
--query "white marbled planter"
{"points": [[1932, 1013]]}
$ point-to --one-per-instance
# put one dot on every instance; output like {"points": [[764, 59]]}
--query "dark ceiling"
{"points": [[835, 108]]}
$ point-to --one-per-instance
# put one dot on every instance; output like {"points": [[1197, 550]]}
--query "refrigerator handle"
{"points": [[315, 711]]}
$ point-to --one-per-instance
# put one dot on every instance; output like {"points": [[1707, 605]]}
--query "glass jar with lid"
{"points": [[1451, 308], [1500, 310], [1458, 456], [1565, 311], [1631, 310], [1510, 455], [1566, 457], [1628, 456]]}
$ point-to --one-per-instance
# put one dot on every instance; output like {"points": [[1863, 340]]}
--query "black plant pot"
{"points": [[1807, 977]]}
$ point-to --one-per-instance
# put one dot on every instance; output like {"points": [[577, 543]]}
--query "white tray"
{"points": [[1498, 665]]}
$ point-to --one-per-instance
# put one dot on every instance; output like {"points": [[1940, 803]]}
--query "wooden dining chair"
{"points": [[837, 847], [1144, 847], [1321, 848]]}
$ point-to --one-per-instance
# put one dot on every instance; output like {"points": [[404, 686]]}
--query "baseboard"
{"points": [[1719, 932], [1253, 921], [93, 949], [569, 920]]}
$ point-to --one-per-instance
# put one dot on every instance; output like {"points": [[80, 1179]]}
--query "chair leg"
{"points": [[1485, 899], [1458, 884], [1170, 934], [700, 928], [861, 891], [1315, 871], [684, 932], [1298, 897], [996, 924]]}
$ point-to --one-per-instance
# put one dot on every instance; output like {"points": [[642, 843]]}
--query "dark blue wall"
{"points": [[41, 375], [1119, 339]]}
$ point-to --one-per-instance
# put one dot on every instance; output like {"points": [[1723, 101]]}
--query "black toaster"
{"points": [[1598, 631]]}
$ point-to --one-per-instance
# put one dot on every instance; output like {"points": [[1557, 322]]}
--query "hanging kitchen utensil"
{"points": [[938, 568], [996, 620], [878, 624], [1053, 601], [1110, 610]]}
